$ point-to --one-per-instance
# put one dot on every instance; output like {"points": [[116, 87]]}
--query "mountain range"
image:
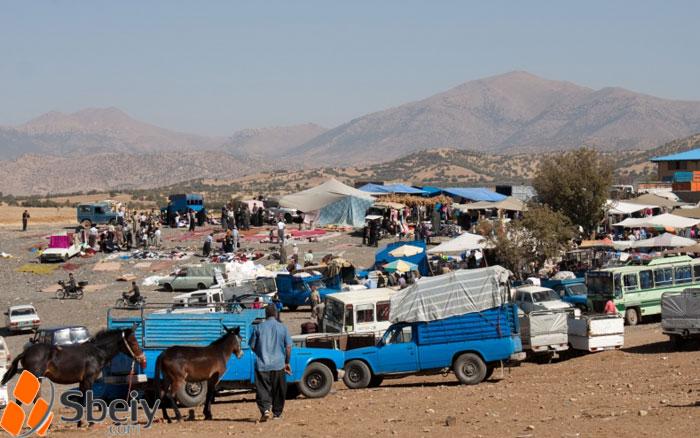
{"points": [[516, 113]]}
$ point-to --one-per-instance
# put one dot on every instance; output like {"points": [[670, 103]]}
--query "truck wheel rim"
{"points": [[469, 369], [354, 374], [193, 389], [314, 380]]}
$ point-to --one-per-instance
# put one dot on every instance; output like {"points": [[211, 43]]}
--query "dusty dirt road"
{"points": [[647, 389]]}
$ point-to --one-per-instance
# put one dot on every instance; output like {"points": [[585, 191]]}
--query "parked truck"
{"points": [[544, 333], [572, 291], [313, 370], [680, 315], [470, 345], [294, 289], [95, 214]]}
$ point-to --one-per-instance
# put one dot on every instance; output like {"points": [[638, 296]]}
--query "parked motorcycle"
{"points": [[125, 302], [65, 292]]}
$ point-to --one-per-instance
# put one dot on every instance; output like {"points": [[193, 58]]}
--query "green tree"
{"points": [[576, 183], [550, 232]]}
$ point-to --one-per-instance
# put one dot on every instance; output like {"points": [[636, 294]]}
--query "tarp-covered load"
{"points": [[348, 211], [678, 311], [457, 293]]}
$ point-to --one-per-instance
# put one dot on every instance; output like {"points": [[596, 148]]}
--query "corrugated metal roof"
{"points": [[687, 155]]}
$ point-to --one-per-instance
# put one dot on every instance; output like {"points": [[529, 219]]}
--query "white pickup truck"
{"points": [[351, 319], [594, 333], [60, 249], [680, 315]]}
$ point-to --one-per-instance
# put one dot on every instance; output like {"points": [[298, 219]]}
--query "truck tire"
{"points": [[86, 223], [582, 307], [489, 372], [317, 381], [201, 286], [470, 369], [168, 287], [292, 391], [375, 381], [292, 307], [191, 394], [632, 316], [357, 375], [677, 341]]}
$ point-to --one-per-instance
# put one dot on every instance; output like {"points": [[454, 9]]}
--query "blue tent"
{"points": [[391, 188], [348, 211], [383, 257], [474, 193]]}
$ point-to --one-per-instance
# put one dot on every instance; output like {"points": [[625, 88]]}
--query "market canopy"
{"points": [[686, 249], [688, 212], [509, 203], [401, 266], [406, 251], [666, 240], [322, 195], [463, 242], [623, 207], [475, 193], [655, 200], [391, 188], [662, 220]]}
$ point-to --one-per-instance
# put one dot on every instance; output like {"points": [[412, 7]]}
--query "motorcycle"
{"points": [[65, 292], [125, 301]]}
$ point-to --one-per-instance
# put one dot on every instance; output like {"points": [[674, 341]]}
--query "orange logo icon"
{"points": [[40, 417]]}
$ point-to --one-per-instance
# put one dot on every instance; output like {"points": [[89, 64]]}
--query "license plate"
{"points": [[24, 323]]}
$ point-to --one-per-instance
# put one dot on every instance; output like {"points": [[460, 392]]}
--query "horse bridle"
{"points": [[133, 355]]}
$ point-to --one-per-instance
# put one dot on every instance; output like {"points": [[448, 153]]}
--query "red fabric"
{"points": [[70, 266]]}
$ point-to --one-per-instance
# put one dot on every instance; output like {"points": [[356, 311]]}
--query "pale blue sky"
{"points": [[214, 67]]}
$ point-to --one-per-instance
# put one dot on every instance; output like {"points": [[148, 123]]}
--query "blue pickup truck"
{"points": [[313, 370], [572, 291], [471, 345], [95, 214], [294, 290]]}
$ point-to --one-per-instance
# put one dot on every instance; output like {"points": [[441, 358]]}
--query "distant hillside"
{"points": [[509, 113], [35, 174], [273, 141]]}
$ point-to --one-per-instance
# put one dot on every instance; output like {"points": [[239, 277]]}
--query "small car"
{"points": [[60, 249], [60, 335], [531, 298], [22, 317]]}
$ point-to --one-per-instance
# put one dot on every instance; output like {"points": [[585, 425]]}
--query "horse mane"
{"points": [[105, 335]]}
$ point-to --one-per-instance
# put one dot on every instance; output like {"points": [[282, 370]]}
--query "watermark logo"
{"points": [[40, 416], [118, 411]]}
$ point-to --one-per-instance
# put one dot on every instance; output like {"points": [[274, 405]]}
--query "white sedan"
{"points": [[24, 317], [530, 298]]}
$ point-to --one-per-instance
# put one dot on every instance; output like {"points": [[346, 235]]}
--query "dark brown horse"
{"points": [[195, 364], [77, 363]]}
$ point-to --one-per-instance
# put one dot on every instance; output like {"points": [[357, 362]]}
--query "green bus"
{"points": [[636, 287]]}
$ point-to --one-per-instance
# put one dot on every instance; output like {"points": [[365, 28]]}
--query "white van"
{"points": [[360, 311]]}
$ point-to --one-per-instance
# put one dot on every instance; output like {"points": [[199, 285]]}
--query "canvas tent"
{"points": [[463, 242], [335, 202], [457, 293], [654, 200], [666, 240], [662, 220], [509, 203], [621, 207], [474, 194]]}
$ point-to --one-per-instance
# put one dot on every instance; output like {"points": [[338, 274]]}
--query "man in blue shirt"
{"points": [[272, 346]]}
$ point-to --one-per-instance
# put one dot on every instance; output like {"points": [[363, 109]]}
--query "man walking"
{"points": [[25, 219], [272, 345]]}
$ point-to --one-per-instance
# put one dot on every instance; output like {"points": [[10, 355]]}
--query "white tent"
{"points": [[320, 196], [662, 220], [460, 243], [666, 240], [620, 207]]}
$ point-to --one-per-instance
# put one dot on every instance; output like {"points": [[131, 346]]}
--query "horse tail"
{"points": [[156, 376], [13, 369]]}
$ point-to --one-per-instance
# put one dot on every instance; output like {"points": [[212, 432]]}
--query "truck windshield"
{"points": [[600, 285], [577, 289], [545, 295], [79, 334], [334, 311]]}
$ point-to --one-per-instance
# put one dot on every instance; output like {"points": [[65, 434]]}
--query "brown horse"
{"points": [[195, 364], [77, 363]]}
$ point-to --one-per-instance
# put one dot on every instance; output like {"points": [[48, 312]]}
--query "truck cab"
{"points": [[533, 298], [294, 290], [573, 291], [95, 214]]}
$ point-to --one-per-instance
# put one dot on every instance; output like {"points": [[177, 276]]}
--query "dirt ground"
{"points": [[646, 389]]}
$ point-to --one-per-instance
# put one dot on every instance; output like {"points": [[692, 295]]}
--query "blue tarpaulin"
{"points": [[383, 257], [391, 188], [475, 193], [348, 211]]}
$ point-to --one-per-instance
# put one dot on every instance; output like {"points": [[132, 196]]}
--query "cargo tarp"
{"points": [[678, 310], [457, 293]]}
